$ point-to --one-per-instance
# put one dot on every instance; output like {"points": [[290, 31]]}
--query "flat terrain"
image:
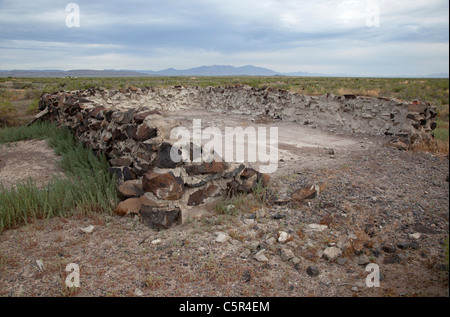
{"points": [[376, 204]]}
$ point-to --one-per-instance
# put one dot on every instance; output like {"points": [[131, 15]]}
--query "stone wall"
{"points": [[348, 113], [128, 128], [136, 143]]}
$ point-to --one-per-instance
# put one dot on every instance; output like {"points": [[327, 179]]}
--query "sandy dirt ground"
{"points": [[27, 160], [376, 205]]}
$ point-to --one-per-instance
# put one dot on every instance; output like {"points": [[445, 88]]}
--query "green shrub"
{"points": [[87, 186], [7, 112]]}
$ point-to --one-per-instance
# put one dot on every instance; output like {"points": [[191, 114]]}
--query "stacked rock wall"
{"points": [[348, 113], [127, 127], [136, 143]]}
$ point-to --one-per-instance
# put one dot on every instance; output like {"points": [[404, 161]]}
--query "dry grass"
{"points": [[433, 146]]}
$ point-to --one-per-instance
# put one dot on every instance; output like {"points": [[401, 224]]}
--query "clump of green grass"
{"points": [[33, 107], [7, 112], [86, 187]]}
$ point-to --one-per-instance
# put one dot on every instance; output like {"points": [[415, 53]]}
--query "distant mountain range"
{"points": [[214, 70]]}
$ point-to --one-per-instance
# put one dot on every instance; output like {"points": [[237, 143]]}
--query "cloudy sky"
{"points": [[360, 37]]}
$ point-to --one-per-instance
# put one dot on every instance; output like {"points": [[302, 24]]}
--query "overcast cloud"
{"points": [[366, 37]]}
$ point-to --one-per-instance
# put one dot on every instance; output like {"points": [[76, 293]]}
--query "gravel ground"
{"points": [[376, 205]]}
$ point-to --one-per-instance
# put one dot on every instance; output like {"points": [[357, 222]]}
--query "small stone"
{"points": [[245, 254], [415, 235], [313, 271], [131, 188], [222, 237], [332, 253], [164, 186], [363, 259], [403, 245], [260, 257], [389, 247], [284, 237], [129, 206], [156, 241], [296, 260], [278, 216], [307, 192], [249, 222], [138, 292], [247, 276], [88, 229], [317, 227], [355, 289], [286, 254], [271, 241], [422, 229], [201, 195]]}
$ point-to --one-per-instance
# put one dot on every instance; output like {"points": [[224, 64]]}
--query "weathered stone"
{"points": [[332, 253], [232, 188], [260, 257], [118, 135], [247, 173], [417, 107], [307, 192], [317, 227], [389, 247], [140, 117], [222, 237], [131, 188], [263, 179], [206, 168], [160, 217], [163, 158], [116, 171], [423, 229], [415, 235], [94, 112], [233, 170], [123, 117], [201, 195], [121, 161], [129, 206], [164, 186], [313, 271], [144, 133], [245, 254], [151, 200], [284, 237], [247, 186], [126, 173], [286, 254], [403, 245]]}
